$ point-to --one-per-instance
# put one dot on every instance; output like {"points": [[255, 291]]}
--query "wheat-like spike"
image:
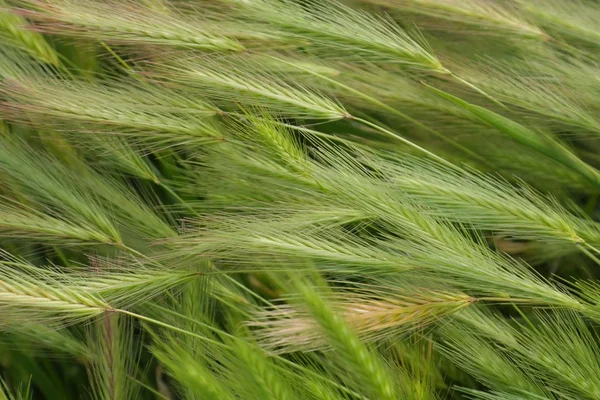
{"points": [[577, 354], [573, 18], [197, 366], [281, 140], [226, 81], [536, 345], [28, 223], [267, 379], [45, 181], [269, 92], [138, 112], [346, 33], [15, 32], [293, 66], [191, 371], [589, 290], [485, 361], [499, 395], [88, 187], [110, 151], [129, 281], [82, 197], [115, 358], [277, 138], [129, 22], [332, 249], [503, 208], [514, 210], [130, 207], [217, 363], [120, 106], [491, 17], [408, 175], [394, 89], [576, 77], [374, 317], [361, 195], [530, 166], [42, 339], [354, 357], [535, 91], [56, 297], [45, 299]]}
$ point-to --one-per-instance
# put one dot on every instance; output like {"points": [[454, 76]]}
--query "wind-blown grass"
{"points": [[281, 199]]}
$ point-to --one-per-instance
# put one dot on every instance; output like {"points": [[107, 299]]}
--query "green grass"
{"points": [[299, 199]]}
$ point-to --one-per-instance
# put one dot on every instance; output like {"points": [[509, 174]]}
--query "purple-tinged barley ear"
{"points": [[31, 27], [22, 12]]}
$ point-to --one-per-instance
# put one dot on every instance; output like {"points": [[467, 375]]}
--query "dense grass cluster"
{"points": [[299, 199]]}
